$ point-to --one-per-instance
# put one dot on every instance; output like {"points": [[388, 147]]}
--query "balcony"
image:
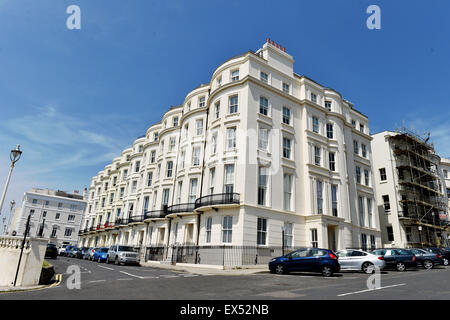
{"points": [[182, 207], [100, 227], [92, 228], [136, 219], [109, 225], [155, 214], [121, 222], [217, 199]]}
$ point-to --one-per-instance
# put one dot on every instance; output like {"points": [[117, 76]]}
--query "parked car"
{"points": [[81, 252], [122, 254], [51, 251], [427, 259], [399, 259], [307, 259], [62, 250], [67, 250], [100, 254], [444, 252], [91, 253], [359, 260], [73, 252]]}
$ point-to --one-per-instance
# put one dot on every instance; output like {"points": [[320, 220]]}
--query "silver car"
{"points": [[358, 260], [122, 254]]}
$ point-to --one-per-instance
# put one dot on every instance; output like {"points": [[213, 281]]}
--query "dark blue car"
{"points": [[307, 259], [427, 259], [397, 258], [100, 254], [443, 252]]}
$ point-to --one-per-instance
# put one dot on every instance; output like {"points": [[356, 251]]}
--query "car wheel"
{"points": [[400, 266], [445, 262], [368, 267], [279, 269], [326, 271], [427, 264]]}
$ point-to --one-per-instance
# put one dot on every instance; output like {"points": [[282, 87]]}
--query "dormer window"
{"points": [[286, 87], [313, 97], [219, 81], [235, 75], [201, 103], [175, 121], [328, 105]]}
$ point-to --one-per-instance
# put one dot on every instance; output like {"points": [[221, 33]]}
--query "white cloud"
{"points": [[57, 148]]}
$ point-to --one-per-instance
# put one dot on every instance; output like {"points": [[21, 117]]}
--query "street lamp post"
{"points": [[282, 239], [14, 156]]}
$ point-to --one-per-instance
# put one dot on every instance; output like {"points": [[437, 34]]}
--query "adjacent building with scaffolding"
{"points": [[411, 199]]}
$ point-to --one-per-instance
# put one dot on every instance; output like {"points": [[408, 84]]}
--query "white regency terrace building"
{"points": [[257, 149], [55, 215]]}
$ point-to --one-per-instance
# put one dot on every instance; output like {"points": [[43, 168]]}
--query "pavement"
{"points": [[9, 289], [208, 270]]}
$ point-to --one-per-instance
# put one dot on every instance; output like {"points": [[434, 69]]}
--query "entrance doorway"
{"points": [[189, 236], [332, 238]]}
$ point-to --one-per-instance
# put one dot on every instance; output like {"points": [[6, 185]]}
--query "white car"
{"points": [[358, 260], [62, 250]]}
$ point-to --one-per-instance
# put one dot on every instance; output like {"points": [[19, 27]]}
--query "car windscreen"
{"points": [[104, 250], [127, 249]]}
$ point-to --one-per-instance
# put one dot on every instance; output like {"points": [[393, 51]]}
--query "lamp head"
{"points": [[15, 154]]}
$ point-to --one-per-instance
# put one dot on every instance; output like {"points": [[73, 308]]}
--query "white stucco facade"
{"points": [[256, 149], [59, 213]]}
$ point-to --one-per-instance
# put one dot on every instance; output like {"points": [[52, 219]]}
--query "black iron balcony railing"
{"points": [[216, 199], [121, 222], [137, 218], [181, 207], [92, 228], [155, 214]]}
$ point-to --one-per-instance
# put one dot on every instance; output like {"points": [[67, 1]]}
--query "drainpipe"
{"points": [[174, 183], [176, 161], [203, 167]]}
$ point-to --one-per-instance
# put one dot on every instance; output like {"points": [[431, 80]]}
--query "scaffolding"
{"points": [[421, 199]]}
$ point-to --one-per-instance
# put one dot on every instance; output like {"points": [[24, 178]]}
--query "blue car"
{"points": [[307, 259], [427, 259], [68, 250], [100, 254]]}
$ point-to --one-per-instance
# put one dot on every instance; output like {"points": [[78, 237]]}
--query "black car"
{"points": [[307, 259], [445, 253], [427, 259], [51, 251], [80, 253], [396, 258]]}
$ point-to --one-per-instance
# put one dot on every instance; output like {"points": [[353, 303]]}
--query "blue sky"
{"points": [[74, 99]]}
